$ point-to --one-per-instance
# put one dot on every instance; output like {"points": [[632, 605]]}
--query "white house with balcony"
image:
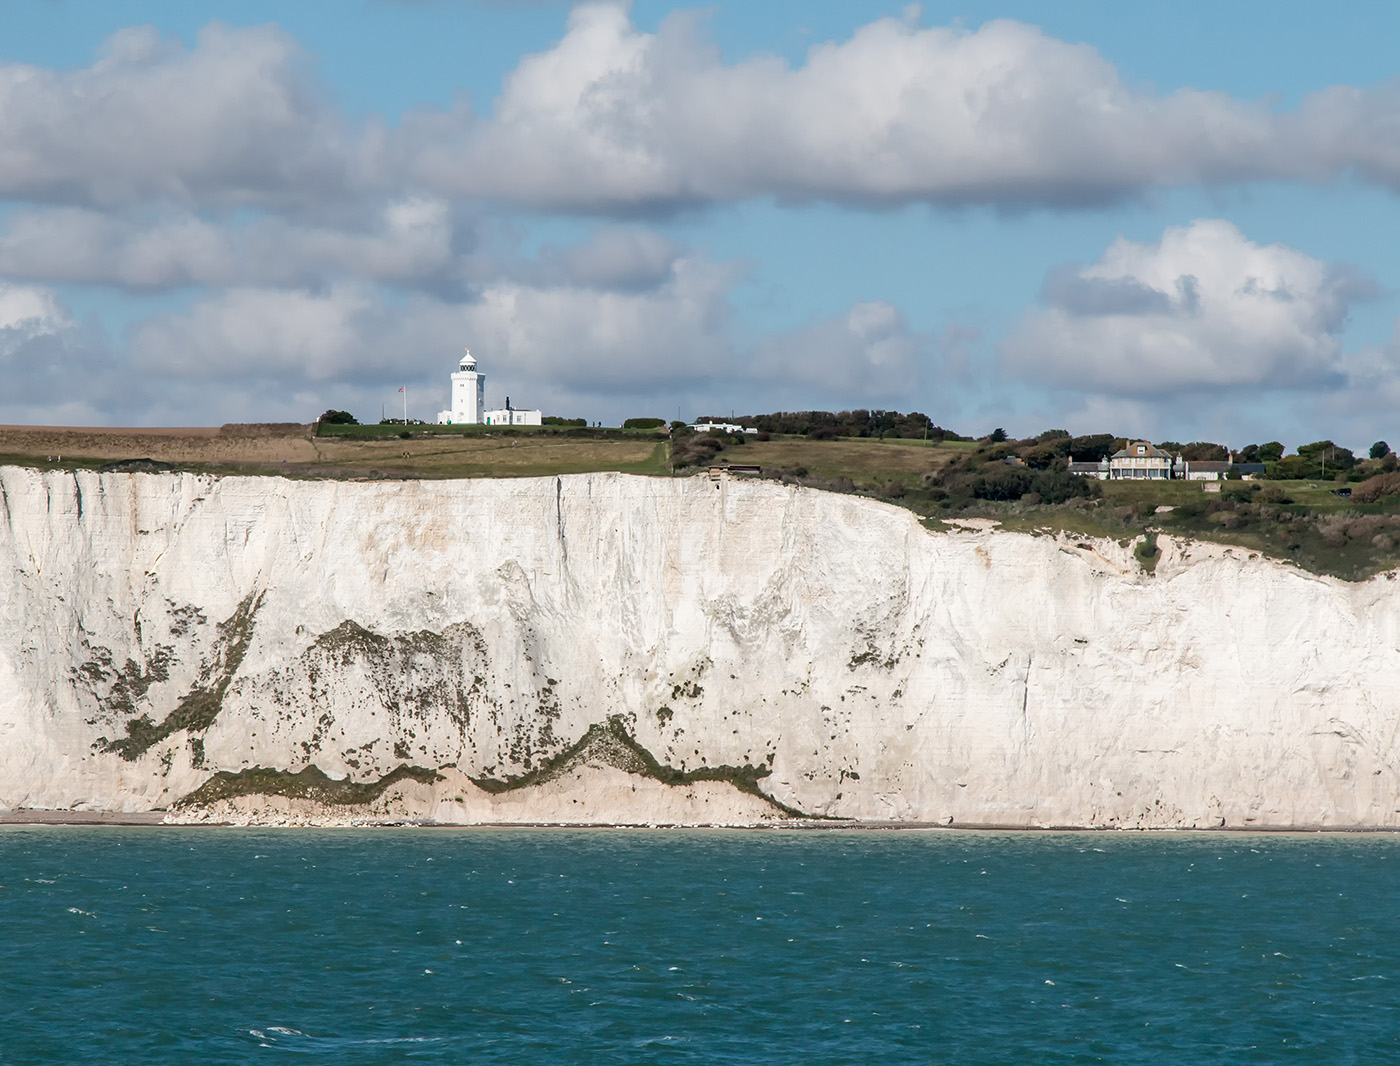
{"points": [[1142, 460]]}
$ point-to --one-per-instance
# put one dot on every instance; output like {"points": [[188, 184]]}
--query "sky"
{"points": [[1169, 220]]}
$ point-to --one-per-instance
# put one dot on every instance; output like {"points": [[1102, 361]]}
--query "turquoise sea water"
{"points": [[485, 946]]}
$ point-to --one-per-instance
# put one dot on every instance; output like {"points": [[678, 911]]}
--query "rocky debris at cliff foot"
{"points": [[747, 649]]}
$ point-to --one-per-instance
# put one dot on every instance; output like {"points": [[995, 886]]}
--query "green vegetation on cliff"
{"points": [[199, 707], [612, 745], [310, 783]]}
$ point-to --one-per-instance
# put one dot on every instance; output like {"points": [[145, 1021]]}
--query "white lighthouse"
{"points": [[468, 395], [469, 402]]}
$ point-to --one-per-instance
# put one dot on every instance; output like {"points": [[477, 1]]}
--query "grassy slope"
{"points": [[1297, 532], [1304, 531], [865, 462]]}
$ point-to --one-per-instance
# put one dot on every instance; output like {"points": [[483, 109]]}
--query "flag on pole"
{"points": [[401, 390]]}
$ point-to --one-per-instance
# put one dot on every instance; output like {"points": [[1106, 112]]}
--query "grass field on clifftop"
{"points": [[372, 452]]}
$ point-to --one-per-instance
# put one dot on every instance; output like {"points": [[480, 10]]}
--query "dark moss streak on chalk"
{"points": [[199, 707], [310, 783], [612, 744]]}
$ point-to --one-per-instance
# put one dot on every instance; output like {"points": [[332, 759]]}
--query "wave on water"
{"points": [[289, 1039]]}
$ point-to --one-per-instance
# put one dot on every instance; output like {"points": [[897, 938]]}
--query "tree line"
{"points": [[827, 425]]}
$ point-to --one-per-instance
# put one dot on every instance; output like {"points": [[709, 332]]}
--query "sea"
{"points": [[223, 945]]}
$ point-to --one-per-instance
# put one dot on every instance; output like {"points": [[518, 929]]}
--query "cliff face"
{"points": [[615, 648]]}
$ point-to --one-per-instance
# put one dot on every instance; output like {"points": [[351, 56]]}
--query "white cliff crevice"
{"points": [[156, 629]]}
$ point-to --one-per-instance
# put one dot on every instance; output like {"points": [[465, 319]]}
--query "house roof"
{"points": [[1208, 466], [1130, 452]]}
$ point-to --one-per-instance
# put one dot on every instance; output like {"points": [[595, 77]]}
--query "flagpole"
{"points": [[404, 390]]}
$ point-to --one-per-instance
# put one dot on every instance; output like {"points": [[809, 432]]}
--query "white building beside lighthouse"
{"points": [[469, 402], [513, 416]]}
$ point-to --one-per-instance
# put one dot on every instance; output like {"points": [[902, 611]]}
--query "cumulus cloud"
{"points": [[237, 119], [598, 341], [561, 344], [578, 338], [614, 257], [1202, 308], [1372, 391], [253, 332], [615, 120], [409, 240], [51, 368], [1003, 114], [869, 352], [28, 311]]}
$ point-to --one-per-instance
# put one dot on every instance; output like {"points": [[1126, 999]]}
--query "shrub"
{"points": [[1365, 527], [1325, 452], [1190, 509], [693, 449], [644, 423], [1204, 451], [1380, 450], [1060, 486], [1001, 483], [1147, 553], [1045, 456], [1373, 488], [338, 418], [1092, 448]]}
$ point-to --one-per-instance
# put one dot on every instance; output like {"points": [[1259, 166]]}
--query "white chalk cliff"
{"points": [[609, 648]]}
